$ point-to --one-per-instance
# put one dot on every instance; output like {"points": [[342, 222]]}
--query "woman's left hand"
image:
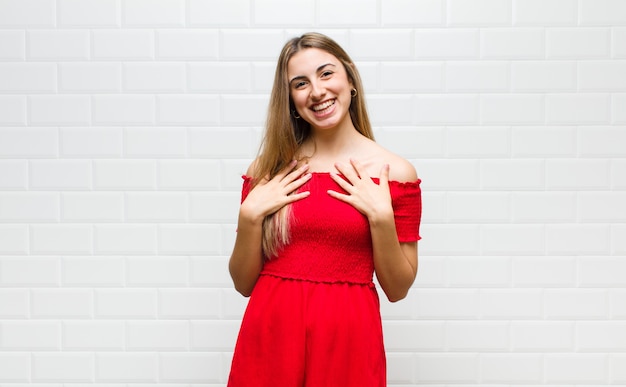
{"points": [[371, 199]]}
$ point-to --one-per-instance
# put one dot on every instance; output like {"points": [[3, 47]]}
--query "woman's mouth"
{"points": [[323, 108]]}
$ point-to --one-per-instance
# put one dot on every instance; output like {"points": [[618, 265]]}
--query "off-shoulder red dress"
{"points": [[313, 318]]}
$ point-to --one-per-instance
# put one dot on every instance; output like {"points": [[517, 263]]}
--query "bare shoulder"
{"points": [[400, 169], [252, 168]]}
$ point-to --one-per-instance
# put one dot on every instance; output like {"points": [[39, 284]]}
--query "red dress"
{"points": [[313, 318]]}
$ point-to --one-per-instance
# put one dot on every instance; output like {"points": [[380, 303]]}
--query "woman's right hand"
{"points": [[270, 195]]}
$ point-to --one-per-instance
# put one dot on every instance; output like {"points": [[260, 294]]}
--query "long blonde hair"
{"points": [[284, 133]]}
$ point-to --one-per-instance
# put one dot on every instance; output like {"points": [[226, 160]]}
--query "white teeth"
{"points": [[323, 106]]}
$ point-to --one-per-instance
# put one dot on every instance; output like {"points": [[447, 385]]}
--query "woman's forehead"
{"points": [[308, 60]]}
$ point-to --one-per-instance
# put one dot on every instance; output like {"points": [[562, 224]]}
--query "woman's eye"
{"points": [[298, 85], [326, 74]]}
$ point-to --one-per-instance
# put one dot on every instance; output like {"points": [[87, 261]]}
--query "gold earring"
{"points": [[295, 114], [353, 93]]}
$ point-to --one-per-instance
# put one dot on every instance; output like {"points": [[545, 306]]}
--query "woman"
{"points": [[323, 208]]}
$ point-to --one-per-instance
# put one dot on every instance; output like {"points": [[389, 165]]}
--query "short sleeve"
{"points": [[247, 186], [406, 199]]}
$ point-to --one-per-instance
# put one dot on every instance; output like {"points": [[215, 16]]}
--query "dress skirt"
{"points": [[298, 333]]}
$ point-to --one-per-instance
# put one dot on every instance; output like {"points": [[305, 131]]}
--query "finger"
{"points": [[285, 171], [348, 172], [338, 195], [384, 175], [360, 170], [298, 196], [341, 182], [294, 185]]}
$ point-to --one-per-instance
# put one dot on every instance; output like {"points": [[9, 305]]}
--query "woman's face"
{"points": [[320, 88]]}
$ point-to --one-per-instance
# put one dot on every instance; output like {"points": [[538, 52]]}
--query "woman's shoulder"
{"points": [[400, 169]]}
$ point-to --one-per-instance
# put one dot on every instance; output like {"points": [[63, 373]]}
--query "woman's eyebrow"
{"points": [[320, 68]]}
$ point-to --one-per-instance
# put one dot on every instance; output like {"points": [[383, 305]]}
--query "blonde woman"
{"points": [[323, 208]]}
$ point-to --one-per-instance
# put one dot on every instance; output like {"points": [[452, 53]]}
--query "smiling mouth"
{"points": [[322, 107]]}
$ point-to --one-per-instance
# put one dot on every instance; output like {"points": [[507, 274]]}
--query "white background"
{"points": [[125, 126]]}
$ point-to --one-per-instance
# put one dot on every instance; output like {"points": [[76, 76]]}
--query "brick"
{"points": [[210, 271], [43, 272], [190, 367], [413, 13], [512, 174], [188, 174], [575, 368], [476, 336], [617, 303], [14, 174], [617, 365], [159, 335], [389, 110], [123, 44], [411, 77], [602, 272], [93, 271], [542, 336], [413, 142], [12, 110], [15, 367], [467, 13], [577, 239], [157, 272], [543, 207], [618, 40], [231, 172], [374, 44], [271, 13], [14, 239], [453, 43], [121, 367], [432, 272], [214, 335], [447, 304], [511, 304], [474, 142], [435, 368], [234, 143], [14, 304], [29, 207], [471, 207], [125, 239], [602, 141], [233, 304], [618, 108], [577, 174], [512, 368], [576, 304], [19, 13], [544, 76], [477, 77], [189, 239], [478, 272], [28, 77], [255, 108], [93, 335], [218, 207], [126, 303], [226, 77], [353, 12], [517, 109], [58, 45], [400, 368], [154, 77], [28, 142], [90, 142], [161, 207], [30, 335], [437, 237], [62, 367], [62, 303], [193, 44], [124, 109], [149, 13], [219, 13], [125, 174], [92, 206], [189, 303], [602, 12], [550, 142], [601, 336], [90, 77], [545, 272], [60, 174], [100, 13], [262, 76], [577, 43], [601, 76], [58, 110], [12, 45], [155, 142], [188, 110], [392, 311], [618, 239], [414, 335], [545, 13], [60, 239], [602, 206], [512, 43], [447, 109]]}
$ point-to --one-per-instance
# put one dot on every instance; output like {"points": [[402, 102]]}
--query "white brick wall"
{"points": [[125, 126]]}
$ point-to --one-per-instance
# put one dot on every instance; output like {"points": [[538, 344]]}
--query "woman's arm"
{"points": [[267, 197], [395, 263]]}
